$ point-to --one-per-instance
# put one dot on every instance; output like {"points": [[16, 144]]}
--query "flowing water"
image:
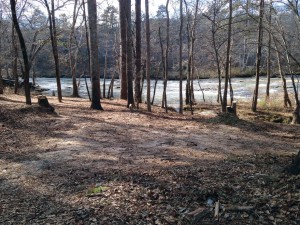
{"points": [[242, 87]]}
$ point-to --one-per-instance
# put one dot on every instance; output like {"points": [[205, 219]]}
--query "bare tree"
{"points": [[269, 52], [86, 33], [180, 59], [155, 83], [1, 59], [216, 47], [123, 28], [53, 35], [148, 55], [290, 56], [1, 84], [286, 100], [24, 52], [191, 29], [166, 61], [258, 55], [129, 72], [73, 59], [227, 64], [94, 59], [138, 52], [15, 59]]}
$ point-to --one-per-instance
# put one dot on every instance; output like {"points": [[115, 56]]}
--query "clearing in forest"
{"points": [[80, 166]]}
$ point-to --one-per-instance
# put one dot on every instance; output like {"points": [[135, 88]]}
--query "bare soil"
{"points": [[81, 166]]}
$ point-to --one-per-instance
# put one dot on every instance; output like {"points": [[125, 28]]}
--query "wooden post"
{"points": [[232, 108], [43, 102]]}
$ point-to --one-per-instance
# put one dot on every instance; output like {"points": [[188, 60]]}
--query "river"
{"points": [[243, 88]]}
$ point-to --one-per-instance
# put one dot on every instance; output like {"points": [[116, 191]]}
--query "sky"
{"points": [[153, 6]]}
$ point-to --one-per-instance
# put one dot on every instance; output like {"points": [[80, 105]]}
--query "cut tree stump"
{"points": [[294, 167], [232, 108], [43, 102]]}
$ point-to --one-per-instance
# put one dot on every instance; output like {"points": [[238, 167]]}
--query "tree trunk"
{"points": [[123, 26], [130, 99], [163, 63], [224, 103], [167, 56], [94, 63], [258, 55], [192, 38], [155, 84], [105, 68], [296, 113], [231, 94], [15, 60], [216, 52], [245, 53], [86, 34], [294, 167], [24, 52], [53, 35], [110, 93], [148, 55], [116, 68], [269, 54], [1, 84], [87, 87], [33, 75], [143, 78], [286, 100], [138, 60], [180, 60], [188, 94], [72, 62]]}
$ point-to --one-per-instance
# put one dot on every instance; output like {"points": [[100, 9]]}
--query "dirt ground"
{"points": [[80, 166]]}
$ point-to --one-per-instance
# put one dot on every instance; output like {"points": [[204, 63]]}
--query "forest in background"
{"points": [[184, 40], [211, 25]]}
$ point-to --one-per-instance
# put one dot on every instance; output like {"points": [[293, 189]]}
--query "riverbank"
{"points": [[79, 166]]}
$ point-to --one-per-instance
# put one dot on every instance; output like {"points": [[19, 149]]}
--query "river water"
{"points": [[243, 88]]}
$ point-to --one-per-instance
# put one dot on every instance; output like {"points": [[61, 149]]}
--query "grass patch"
{"points": [[271, 104], [94, 191]]}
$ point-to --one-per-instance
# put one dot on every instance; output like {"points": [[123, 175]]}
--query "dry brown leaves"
{"points": [[116, 167]]}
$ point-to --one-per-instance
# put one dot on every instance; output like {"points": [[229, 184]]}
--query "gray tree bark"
{"points": [[258, 55], [24, 52], [94, 59], [148, 55]]}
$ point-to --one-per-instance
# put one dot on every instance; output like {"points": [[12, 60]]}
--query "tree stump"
{"points": [[232, 108], [294, 167], [1, 84], [296, 115], [44, 103]]}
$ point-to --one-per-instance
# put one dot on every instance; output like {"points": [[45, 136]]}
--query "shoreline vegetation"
{"points": [[10, 81]]}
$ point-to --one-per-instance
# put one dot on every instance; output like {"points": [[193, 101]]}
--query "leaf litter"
{"points": [[78, 166]]}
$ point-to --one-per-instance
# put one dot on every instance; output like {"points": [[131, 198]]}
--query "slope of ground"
{"points": [[79, 166]]}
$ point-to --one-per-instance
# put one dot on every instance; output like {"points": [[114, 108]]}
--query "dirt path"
{"points": [[80, 166]]}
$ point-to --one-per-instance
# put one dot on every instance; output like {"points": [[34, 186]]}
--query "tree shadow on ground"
{"points": [[147, 178], [59, 193]]}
